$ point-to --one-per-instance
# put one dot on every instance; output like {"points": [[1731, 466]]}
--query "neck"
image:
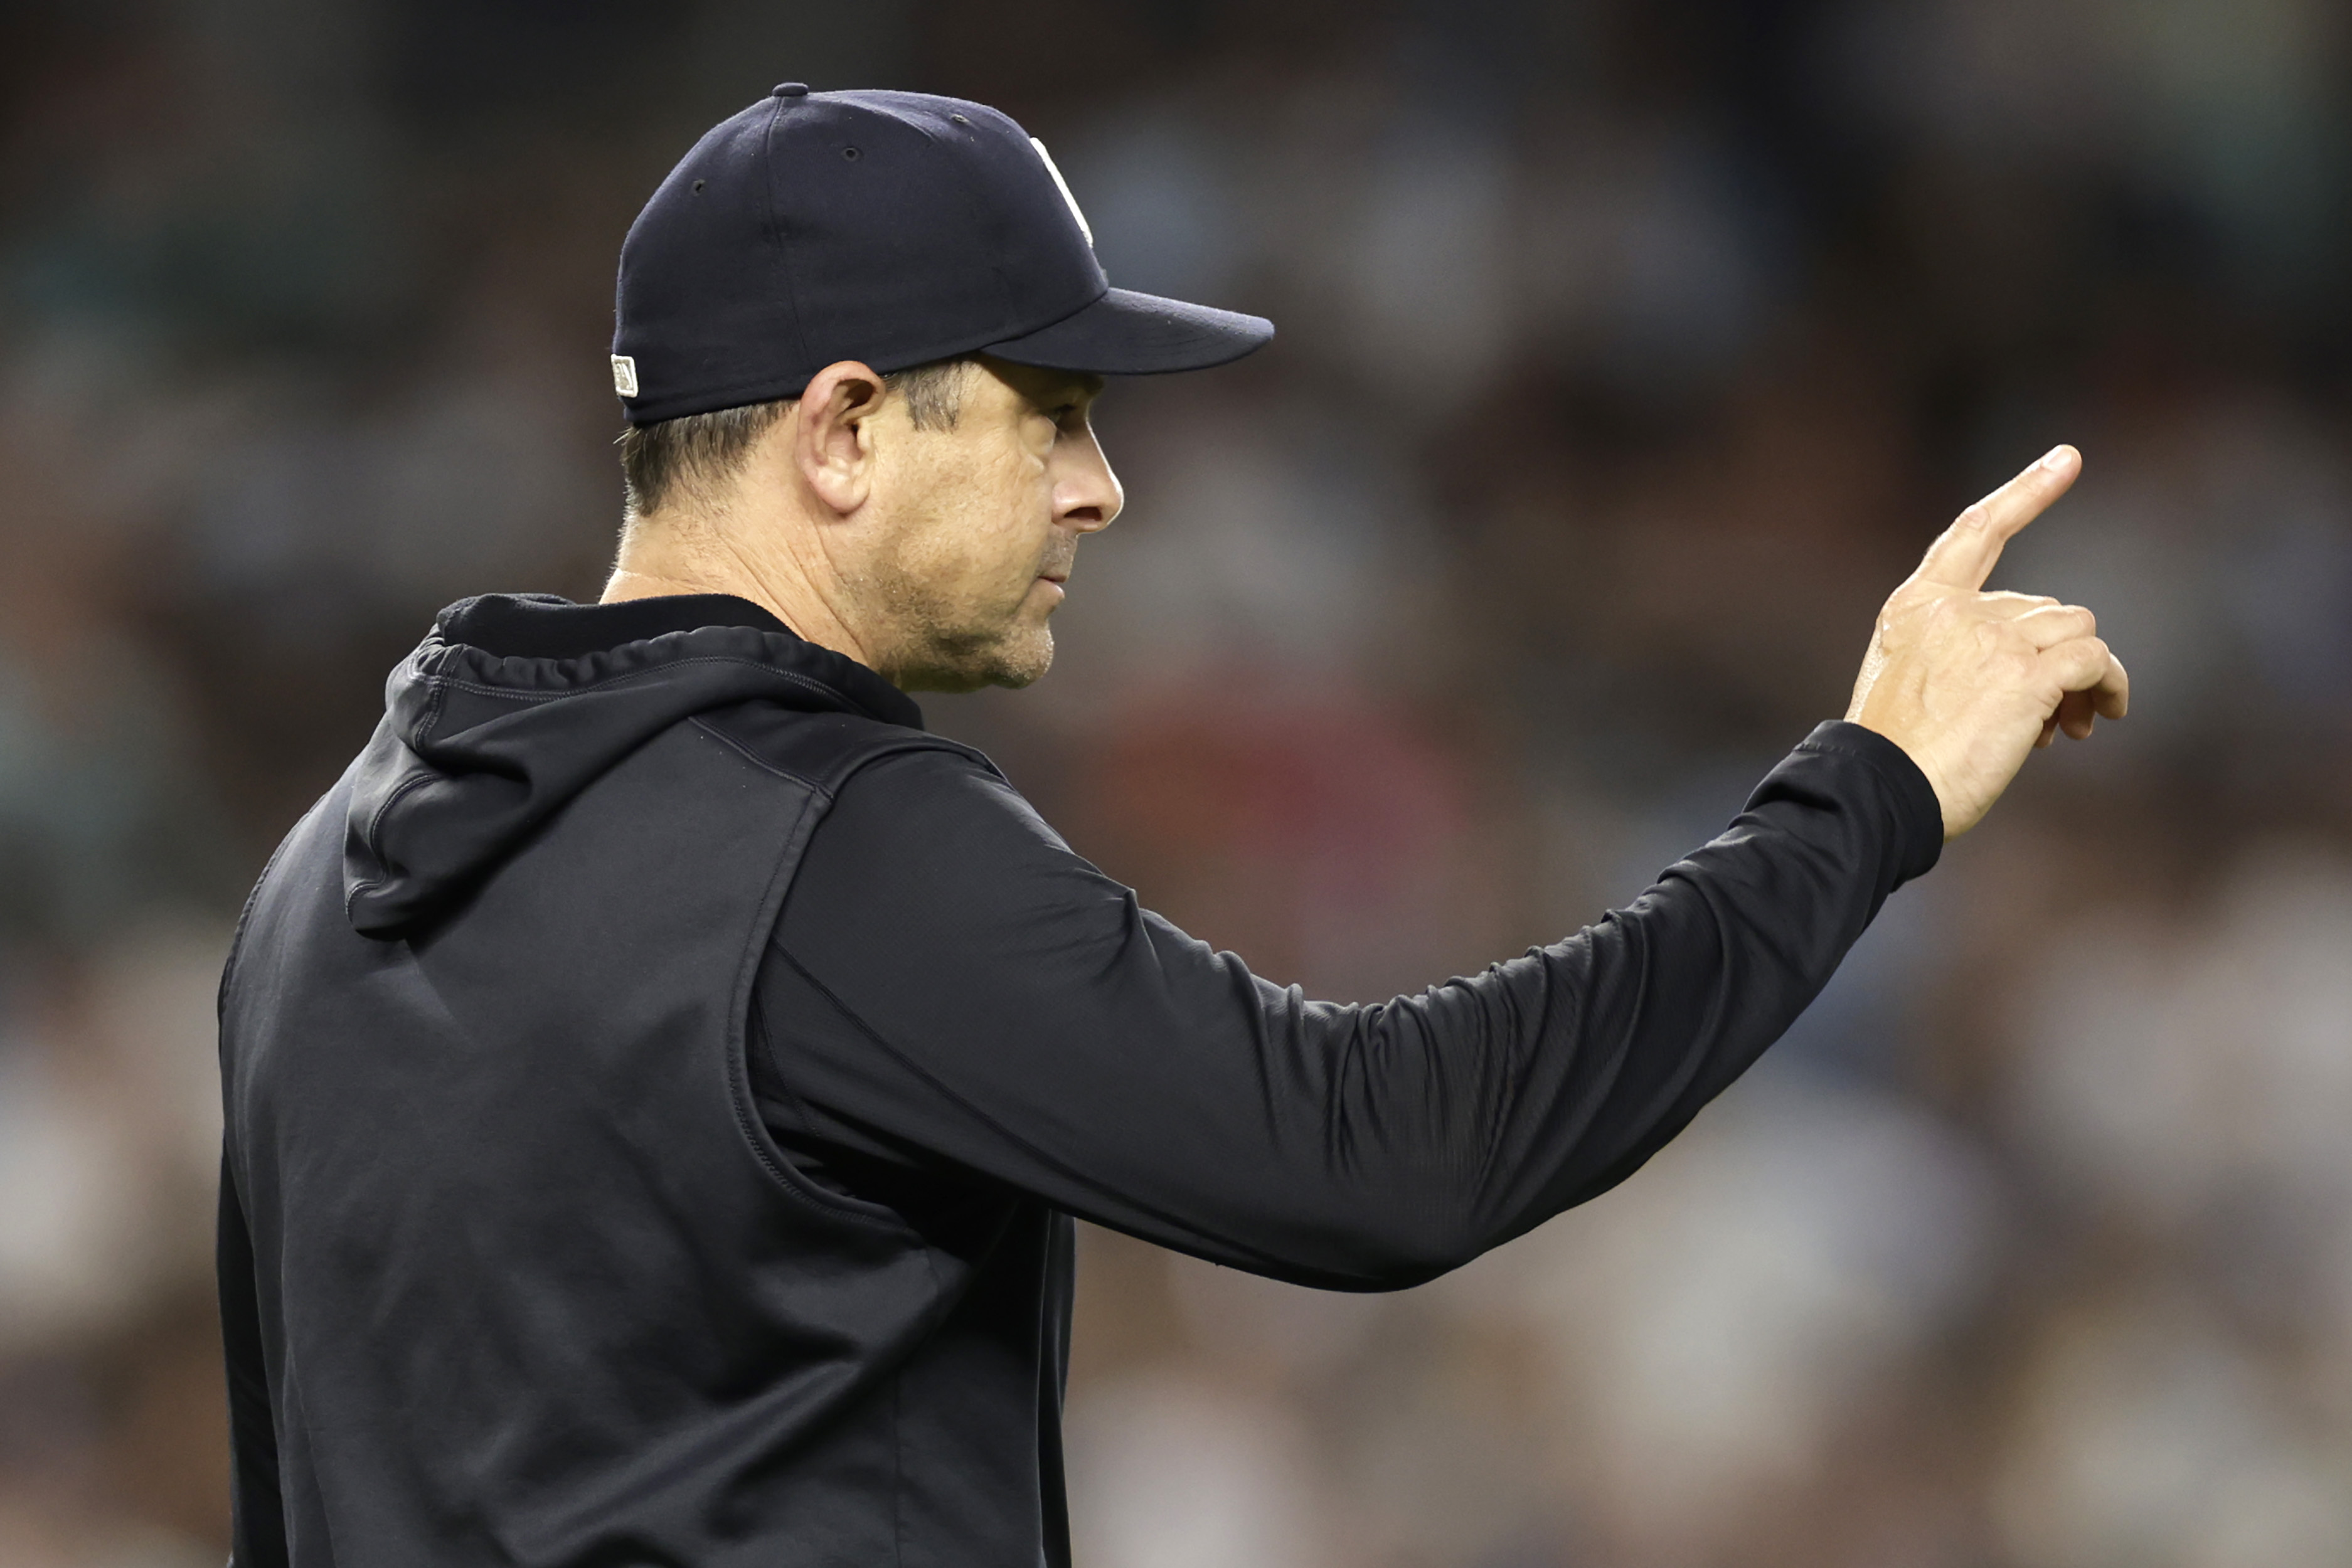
{"points": [[663, 556]]}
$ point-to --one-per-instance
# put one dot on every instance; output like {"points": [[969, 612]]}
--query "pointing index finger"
{"points": [[1963, 556]]}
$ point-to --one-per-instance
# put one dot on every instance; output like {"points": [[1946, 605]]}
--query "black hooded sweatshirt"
{"points": [[659, 1077]]}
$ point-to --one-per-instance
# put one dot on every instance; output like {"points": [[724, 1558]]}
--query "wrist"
{"points": [[1948, 817], [1910, 795]]}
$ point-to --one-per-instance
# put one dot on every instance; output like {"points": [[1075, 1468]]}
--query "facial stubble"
{"points": [[951, 642]]}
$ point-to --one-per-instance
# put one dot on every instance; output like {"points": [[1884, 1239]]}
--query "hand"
{"points": [[1967, 681]]}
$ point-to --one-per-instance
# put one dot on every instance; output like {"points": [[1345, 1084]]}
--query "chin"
{"points": [[1029, 664], [1013, 680], [1012, 664]]}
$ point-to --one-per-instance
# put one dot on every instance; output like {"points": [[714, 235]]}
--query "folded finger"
{"points": [[2112, 697], [2048, 625], [2085, 664], [2009, 606]]}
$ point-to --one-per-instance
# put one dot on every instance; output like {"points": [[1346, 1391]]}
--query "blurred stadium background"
{"points": [[1630, 349]]}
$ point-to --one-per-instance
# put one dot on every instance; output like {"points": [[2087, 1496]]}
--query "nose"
{"points": [[1087, 493]]}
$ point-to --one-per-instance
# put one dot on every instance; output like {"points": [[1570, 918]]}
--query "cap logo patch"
{"points": [[624, 375], [1064, 186]]}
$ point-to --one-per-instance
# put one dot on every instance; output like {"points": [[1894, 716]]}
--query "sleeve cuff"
{"points": [[1920, 815]]}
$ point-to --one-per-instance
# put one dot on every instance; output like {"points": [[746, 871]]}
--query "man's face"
{"points": [[976, 526]]}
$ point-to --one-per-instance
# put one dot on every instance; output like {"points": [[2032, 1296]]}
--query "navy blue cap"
{"points": [[891, 228]]}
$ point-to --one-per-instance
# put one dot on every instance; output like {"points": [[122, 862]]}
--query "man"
{"points": [[659, 1075]]}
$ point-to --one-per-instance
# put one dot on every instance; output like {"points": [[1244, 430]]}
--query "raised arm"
{"points": [[952, 988], [1027, 1020]]}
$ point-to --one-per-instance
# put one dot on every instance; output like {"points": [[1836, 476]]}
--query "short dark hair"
{"points": [[703, 449]]}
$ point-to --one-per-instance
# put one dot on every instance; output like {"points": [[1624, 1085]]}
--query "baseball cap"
{"points": [[891, 228]]}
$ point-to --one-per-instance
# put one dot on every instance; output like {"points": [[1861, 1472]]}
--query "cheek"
{"points": [[983, 537], [981, 523], [1018, 484], [1006, 513]]}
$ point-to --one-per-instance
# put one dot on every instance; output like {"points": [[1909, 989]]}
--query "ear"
{"points": [[833, 438]]}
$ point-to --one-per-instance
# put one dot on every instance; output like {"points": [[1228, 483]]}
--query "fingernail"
{"points": [[2054, 458]]}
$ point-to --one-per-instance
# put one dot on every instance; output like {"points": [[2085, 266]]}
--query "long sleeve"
{"points": [[952, 990], [259, 1523]]}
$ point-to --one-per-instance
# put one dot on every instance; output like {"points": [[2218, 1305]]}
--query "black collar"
{"points": [[542, 626]]}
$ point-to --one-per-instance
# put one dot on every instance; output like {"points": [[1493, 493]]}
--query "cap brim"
{"points": [[1128, 334]]}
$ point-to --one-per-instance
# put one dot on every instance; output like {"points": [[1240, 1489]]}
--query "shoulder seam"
{"points": [[761, 763], [911, 740]]}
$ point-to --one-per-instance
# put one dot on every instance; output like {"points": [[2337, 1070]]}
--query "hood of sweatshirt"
{"points": [[515, 703]]}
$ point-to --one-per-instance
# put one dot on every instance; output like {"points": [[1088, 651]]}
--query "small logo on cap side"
{"points": [[624, 375], [1064, 186]]}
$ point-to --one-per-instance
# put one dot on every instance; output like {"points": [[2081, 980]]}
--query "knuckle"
{"points": [[2085, 660]]}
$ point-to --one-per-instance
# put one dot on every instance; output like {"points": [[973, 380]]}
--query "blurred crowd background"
{"points": [[1630, 350]]}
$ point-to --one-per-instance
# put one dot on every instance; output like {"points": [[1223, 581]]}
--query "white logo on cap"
{"points": [[1064, 186], [624, 375]]}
